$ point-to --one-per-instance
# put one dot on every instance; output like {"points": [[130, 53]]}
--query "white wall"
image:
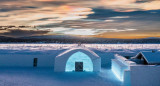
{"points": [[106, 58], [136, 75], [19, 60], [127, 78], [118, 69], [145, 75]]}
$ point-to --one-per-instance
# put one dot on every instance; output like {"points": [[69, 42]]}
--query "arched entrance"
{"points": [[79, 61]]}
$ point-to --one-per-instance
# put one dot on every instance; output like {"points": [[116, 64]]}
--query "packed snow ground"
{"points": [[47, 76]]}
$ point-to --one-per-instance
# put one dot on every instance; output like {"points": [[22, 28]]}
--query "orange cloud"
{"points": [[56, 14], [153, 5], [130, 5]]}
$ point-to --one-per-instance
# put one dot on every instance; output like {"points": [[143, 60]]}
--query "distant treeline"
{"points": [[76, 40]]}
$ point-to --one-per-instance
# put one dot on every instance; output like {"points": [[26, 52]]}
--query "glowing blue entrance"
{"points": [[79, 57]]}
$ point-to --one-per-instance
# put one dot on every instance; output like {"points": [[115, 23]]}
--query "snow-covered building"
{"points": [[77, 59], [141, 70], [64, 60], [148, 58]]}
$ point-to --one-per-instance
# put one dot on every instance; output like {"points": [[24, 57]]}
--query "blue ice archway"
{"points": [[79, 57], [66, 60]]}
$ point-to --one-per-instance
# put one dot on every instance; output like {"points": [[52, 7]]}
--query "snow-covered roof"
{"points": [[78, 49], [124, 60], [151, 57]]}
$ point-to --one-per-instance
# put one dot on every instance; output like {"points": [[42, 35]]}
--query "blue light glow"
{"points": [[118, 69], [79, 57], [117, 73]]}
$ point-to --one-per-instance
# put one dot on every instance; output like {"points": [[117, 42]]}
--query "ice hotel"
{"points": [[140, 70]]}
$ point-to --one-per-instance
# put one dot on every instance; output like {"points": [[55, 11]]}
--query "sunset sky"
{"points": [[125, 19]]}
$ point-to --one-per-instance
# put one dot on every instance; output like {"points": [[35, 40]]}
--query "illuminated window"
{"points": [[79, 57]]}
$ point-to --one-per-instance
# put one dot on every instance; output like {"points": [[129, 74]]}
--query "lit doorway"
{"points": [[79, 61]]}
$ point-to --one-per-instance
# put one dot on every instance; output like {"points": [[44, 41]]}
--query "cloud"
{"points": [[152, 5], [107, 14], [22, 32], [15, 12], [131, 5], [80, 17], [32, 16], [86, 32], [120, 17]]}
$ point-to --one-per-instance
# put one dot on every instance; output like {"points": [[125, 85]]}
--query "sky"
{"points": [[125, 19]]}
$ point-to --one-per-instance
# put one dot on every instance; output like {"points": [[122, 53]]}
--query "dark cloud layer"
{"points": [[100, 13], [23, 33]]}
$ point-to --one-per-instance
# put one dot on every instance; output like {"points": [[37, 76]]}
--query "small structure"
{"points": [[141, 70], [149, 58], [77, 59]]}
